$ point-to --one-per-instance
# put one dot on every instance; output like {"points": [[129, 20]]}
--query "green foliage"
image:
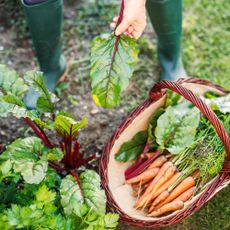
{"points": [[46, 99], [112, 65], [25, 157], [152, 126], [12, 92], [221, 104], [29, 187], [71, 196], [39, 206], [130, 150], [176, 128], [94, 196], [10, 82], [66, 125]]}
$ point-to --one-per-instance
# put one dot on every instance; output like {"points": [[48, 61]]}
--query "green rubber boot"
{"points": [[45, 23], [166, 18]]}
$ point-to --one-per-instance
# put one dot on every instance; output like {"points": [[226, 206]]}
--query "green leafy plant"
{"points": [[112, 64], [40, 186]]}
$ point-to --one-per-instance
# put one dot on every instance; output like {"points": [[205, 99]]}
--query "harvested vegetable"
{"points": [[146, 196], [166, 176], [187, 150], [173, 206], [167, 184], [158, 162], [182, 187], [145, 176], [159, 199], [186, 195]]}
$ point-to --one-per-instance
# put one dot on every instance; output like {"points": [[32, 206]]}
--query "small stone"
{"points": [[94, 111]]}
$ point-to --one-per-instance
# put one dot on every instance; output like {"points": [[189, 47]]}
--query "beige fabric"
{"points": [[123, 193]]}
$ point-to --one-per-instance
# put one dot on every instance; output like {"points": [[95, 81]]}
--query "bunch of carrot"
{"points": [[161, 189]]}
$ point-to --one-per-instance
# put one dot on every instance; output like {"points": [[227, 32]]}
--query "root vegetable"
{"points": [[173, 206], [186, 184], [165, 177], [186, 195], [159, 199], [169, 183], [147, 192], [158, 162], [145, 176]]}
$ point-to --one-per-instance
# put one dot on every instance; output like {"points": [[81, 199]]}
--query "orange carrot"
{"points": [[158, 162], [159, 199], [167, 184], [165, 177], [186, 195], [182, 187], [146, 175], [173, 206], [147, 192]]}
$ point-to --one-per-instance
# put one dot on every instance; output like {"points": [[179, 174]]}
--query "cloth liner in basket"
{"points": [[119, 194]]}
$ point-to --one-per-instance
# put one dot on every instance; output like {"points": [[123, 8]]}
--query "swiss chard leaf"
{"points": [[172, 98], [33, 172], [176, 128], [130, 150], [220, 103], [66, 125], [25, 156], [71, 197], [112, 64], [10, 82], [46, 99], [12, 91], [94, 196], [152, 126]]}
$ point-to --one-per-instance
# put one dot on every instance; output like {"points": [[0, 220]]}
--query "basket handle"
{"points": [[177, 87]]}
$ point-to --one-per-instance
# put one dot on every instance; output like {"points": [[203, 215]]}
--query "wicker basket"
{"points": [[119, 194]]}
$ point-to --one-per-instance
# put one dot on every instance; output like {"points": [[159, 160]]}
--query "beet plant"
{"points": [[41, 186]]}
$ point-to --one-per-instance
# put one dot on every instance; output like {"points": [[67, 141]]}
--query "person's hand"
{"points": [[134, 19]]}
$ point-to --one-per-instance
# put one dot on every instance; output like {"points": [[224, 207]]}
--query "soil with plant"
{"points": [[83, 21]]}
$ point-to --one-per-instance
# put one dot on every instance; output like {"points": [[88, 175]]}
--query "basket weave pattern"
{"points": [[220, 181]]}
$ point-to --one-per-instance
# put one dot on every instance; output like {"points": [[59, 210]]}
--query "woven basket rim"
{"points": [[220, 181]]}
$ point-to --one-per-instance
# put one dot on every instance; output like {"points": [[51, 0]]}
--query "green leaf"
{"points": [[25, 154], [94, 196], [71, 197], [176, 128], [130, 150], [44, 195], [111, 220], [46, 99], [12, 99], [27, 148], [22, 217], [5, 167], [54, 154], [10, 82], [220, 103], [172, 98], [11, 104], [66, 125], [111, 67], [152, 126], [33, 172]]}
